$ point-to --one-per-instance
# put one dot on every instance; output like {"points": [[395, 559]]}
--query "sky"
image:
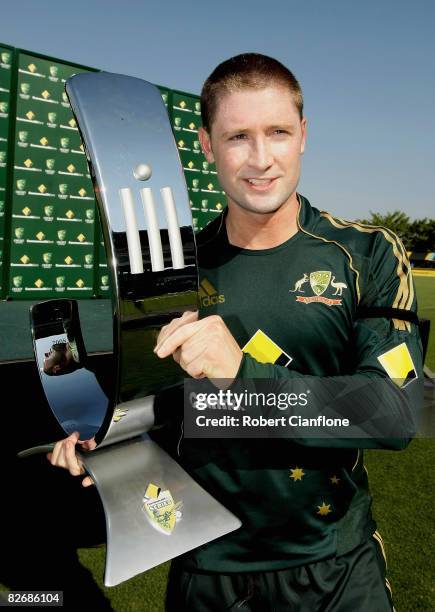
{"points": [[367, 70]]}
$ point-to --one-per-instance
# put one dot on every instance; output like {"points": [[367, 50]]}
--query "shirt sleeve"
{"points": [[383, 396]]}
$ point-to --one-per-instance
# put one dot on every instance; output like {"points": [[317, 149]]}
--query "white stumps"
{"points": [[142, 172], [173, 228], [133, 239], [154, 239]]}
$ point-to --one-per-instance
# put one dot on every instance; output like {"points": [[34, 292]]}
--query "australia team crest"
{"points": [[160, 508], [319, 282]]}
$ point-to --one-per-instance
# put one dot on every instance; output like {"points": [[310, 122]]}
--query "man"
{"points": [[297, 280]]}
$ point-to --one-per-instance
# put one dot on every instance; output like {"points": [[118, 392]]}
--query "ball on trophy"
{"points": [[142, 172]]}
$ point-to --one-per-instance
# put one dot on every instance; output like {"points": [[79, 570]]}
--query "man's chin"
{"points": [[262, 208]]}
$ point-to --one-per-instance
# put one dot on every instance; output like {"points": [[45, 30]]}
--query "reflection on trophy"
{"points": [[64, 357], [58, 359]]}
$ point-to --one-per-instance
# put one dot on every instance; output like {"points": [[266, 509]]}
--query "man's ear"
{"points": [[204, 139], [304, 135]]}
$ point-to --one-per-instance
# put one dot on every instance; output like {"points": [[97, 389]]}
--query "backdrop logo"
{"points": [[48, 212], [5, 58], [54, 72], [25, 91], [47, 259], [60, 283], [23, 137], [104, 285], [17, 282]]}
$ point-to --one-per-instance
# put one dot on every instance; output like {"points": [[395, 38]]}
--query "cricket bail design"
{"points": [[150, 245]]}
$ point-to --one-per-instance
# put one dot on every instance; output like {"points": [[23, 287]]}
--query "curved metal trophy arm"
{"points": [[150, 246], [147, 227], [77, 399]]}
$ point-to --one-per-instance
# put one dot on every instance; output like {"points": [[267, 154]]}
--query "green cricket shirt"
{"points": [[293, 309]]}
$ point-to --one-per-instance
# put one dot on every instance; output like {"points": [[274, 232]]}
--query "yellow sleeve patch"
{"points": [[398, 364], [265, 350]]}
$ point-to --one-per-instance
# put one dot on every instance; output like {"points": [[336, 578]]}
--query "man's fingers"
{"points": [[167, 330], [174, 340], [73, 463], [58, 455], [64, 454], [88, 444], [203, 348], [187, 317], [57, 452], [191, 351], [195, 368], [61, 458], [178, 337], [87, 482]]}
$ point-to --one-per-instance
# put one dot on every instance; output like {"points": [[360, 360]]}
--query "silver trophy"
{"points": [[154, 510]]}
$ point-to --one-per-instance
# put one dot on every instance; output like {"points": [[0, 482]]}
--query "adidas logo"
{"points": [[208, 294]]}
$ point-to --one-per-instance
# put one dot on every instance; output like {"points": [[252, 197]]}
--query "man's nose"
{"points": [[261, 156]]}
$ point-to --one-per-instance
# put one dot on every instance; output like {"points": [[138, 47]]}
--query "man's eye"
{"points": [[238, 137], [280, 132]]}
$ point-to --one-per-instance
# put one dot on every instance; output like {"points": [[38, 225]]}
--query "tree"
{"points": [[417, 236]]}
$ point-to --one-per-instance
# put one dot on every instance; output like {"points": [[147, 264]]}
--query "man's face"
{"points": [[256, 141]]}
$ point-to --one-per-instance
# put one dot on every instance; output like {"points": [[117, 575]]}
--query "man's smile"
{"points": [[260, 184]]}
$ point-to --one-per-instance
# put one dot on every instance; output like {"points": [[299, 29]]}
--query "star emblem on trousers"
{"points": [[296, 473], [324, 509]]}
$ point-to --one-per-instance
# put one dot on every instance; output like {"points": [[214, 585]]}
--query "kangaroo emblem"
{"points": [[299, 284], [338, 287]]}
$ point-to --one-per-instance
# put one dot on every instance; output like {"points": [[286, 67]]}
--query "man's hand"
{"points": [[64, 456], [203, 348]]}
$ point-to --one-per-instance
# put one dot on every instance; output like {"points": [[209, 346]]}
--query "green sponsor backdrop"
{"points": [[206, 196], [53, 204], [5, 104], [103, 277], [54, 242]]}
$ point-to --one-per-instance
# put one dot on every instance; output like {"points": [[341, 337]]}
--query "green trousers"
{"points": [[354, 582]]}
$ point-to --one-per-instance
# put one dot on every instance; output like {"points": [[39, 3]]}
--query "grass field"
{"points": [[403, 507], [425, 288]]}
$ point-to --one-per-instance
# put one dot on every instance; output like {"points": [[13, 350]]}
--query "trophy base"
{"points": [[154, 510]]}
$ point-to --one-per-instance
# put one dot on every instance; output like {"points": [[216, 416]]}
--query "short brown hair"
{"points": [[248, 70]]}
